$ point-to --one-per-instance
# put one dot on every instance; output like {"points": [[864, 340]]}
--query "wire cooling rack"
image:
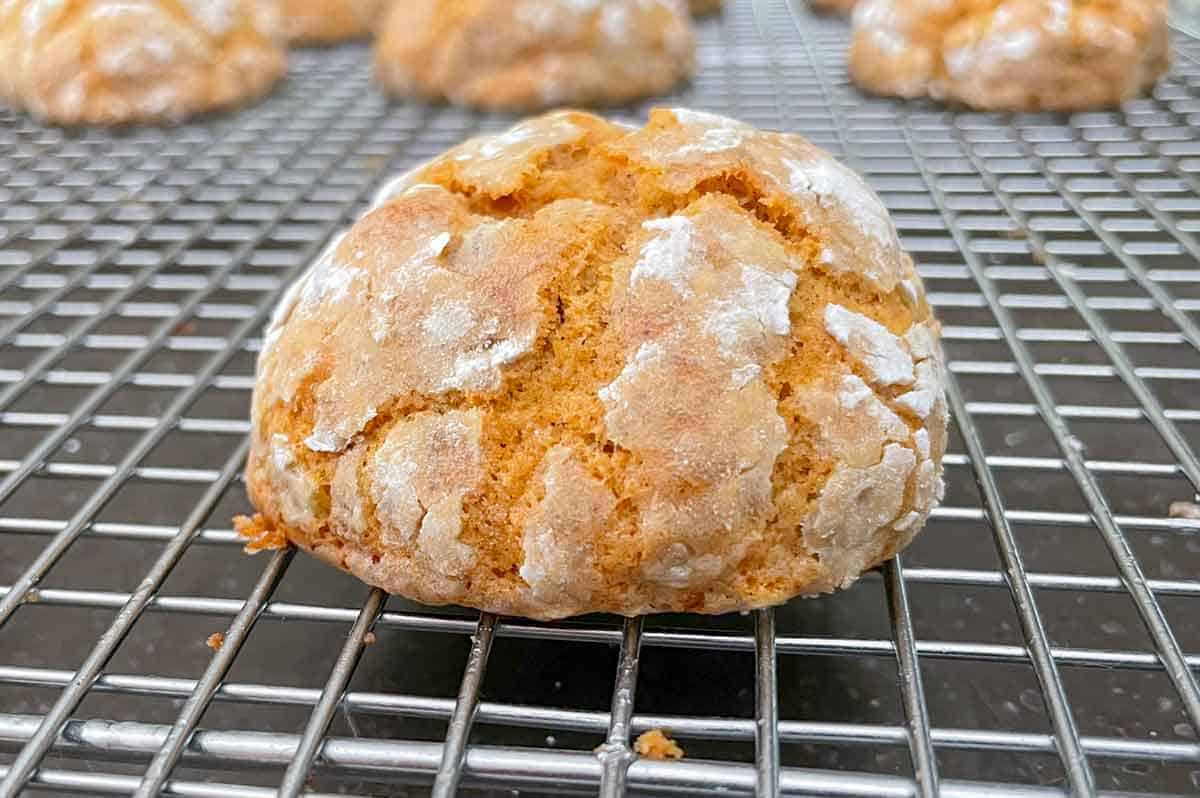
{"points": [[1041, 637]]}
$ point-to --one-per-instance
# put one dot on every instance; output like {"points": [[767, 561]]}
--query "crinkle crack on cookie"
{"points": [[1016, 55], [576, 367], [121, 61], [528, 54]]}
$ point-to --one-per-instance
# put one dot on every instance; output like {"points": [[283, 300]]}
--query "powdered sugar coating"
{"points": [[667, 255], [501, 54], [854, 423], [346, 513], [919, 401], [417, 480], [1011, 54], [882, 355], [521, 144], [690, 401], [559, 537], [408, 276], [854, 504], [217, 17], [830, 200], [879, 456], [115, 61], [664, 420], [295, 489], [832, 182]]}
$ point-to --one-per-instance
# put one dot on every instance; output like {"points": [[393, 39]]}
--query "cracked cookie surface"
{"points": [[529, 54], [122, 61], [577, 367], [1011, 55]]}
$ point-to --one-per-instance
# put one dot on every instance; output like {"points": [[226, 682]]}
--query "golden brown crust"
{"points": [[833, 6], [331, 21], [530, 54], [654, 744], [574, 367], [1019, 55], [121, 61]]}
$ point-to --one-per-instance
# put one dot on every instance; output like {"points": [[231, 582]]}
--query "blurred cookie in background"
{"points": [[111, 62], [1011, 55], [533, 54]]}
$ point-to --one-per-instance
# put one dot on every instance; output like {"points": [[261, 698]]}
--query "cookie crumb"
{"points": [[654, 744], [1189, 510], [369, 639], [215, 641], [260, 535]]}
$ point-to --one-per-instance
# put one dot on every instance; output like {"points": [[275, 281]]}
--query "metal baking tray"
{"points": [[1042, 636]]}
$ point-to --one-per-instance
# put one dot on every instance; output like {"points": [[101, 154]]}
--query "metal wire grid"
{"points": [[1062, 255]]}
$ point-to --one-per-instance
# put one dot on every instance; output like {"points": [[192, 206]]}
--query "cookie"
{"points": [[331, 21], [833, 6], [500, 54], [576, 367], [120, 61], [1012, 55]]}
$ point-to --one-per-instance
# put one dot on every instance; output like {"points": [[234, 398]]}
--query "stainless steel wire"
{"points": [[766, 706], [445, 784], [1066, 733], [616, 753], [1100, 511]]}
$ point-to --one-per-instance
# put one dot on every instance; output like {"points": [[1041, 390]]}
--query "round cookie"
{"points": [[576, 367], [120, 61], [1013, 55], [330, 21], [501, 54]]}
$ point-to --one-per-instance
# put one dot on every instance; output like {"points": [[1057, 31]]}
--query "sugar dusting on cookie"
{"points": [[630, 381]]}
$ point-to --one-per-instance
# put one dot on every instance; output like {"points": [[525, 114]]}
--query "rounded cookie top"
{"points": [[1011, 54], [523, 54], [119, 61], [576, 367]]}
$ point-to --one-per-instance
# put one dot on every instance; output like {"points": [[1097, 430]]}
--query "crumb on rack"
{"points": [[259, 534], [369, 639], [654, 744], [215, 641], [1189, 510]]}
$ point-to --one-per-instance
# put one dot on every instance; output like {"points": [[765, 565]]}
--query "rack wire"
{"points": [[1041, 637]]}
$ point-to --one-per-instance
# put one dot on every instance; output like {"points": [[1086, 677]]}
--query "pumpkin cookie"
{"points": [[121, 61], [576, 367]]}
